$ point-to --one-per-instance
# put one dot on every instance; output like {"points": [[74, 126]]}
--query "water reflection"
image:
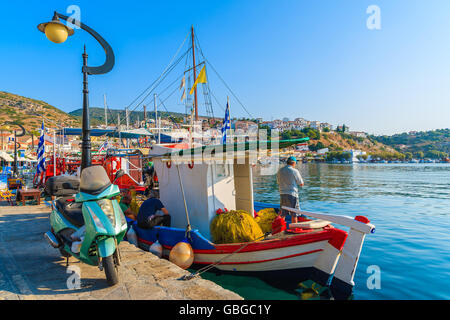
{"points": [[341, 183]]}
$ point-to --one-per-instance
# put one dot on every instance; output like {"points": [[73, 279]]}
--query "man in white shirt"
{"points": [[289, 179]]}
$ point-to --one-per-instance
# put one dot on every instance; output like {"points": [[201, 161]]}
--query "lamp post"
{"points": [[16, 143], [58, 32]]}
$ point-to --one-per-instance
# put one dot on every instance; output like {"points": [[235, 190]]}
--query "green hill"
{"points": [[430, 144], [30, 112]]}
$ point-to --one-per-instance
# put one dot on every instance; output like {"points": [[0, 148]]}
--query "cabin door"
{"points": [[243, 184]]}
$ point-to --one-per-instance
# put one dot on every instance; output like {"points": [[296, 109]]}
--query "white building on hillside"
{"points": [[355, 154]]}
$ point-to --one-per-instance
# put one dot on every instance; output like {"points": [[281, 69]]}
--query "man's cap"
{"points": [[292, 159]]}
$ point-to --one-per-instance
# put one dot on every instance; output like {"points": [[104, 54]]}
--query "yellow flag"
{"points": [[200, 79]]}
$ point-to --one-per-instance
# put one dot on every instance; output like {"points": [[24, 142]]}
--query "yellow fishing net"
{"points": [[235, 227], [265, 218], [134, 205]]}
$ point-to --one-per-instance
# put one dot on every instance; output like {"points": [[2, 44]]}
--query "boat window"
{"points": [[222, 171]]}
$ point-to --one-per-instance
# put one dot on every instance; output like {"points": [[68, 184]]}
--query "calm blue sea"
{"points": [[408, 203]]}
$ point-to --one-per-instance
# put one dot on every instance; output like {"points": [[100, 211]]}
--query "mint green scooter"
{"points": [[91, 219]]}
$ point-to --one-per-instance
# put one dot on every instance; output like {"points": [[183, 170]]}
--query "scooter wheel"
{"points": [[110, 270]]}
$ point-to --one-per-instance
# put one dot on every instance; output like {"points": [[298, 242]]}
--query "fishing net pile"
{"points": [[235, 226], [264, 219], [136, 201], [238, 226]]}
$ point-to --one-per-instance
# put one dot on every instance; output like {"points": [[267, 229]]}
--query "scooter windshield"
{"points": [[94, 180]]}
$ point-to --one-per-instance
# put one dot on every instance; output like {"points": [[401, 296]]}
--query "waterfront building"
{"points": [[354, 155]]}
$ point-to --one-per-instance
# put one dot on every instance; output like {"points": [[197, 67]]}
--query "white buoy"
{"points": [[182, 255], [132, 237], [156, 248]]}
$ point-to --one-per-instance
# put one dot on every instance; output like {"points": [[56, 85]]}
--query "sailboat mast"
{"points": [[106, 113], [195, 75]]}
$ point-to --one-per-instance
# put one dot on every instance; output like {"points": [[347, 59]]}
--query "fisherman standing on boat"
{"points": [[288, 179]]}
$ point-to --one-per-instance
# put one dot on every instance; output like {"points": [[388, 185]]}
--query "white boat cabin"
{"points": [[207, 187]]}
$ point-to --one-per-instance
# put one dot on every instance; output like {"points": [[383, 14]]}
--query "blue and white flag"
{"points": [[41, 152], [226, 124], [104, 146]]}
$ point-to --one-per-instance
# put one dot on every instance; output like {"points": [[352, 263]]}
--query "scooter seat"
{"points": [[71, 210]]}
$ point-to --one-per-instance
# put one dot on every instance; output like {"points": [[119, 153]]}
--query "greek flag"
{"points": [[226, 124], [41, 152], [104, 146]]}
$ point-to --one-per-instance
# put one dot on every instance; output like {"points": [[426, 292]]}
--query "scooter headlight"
{"points": [[107, 207]]}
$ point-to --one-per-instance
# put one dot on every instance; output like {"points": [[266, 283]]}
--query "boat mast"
{"points": [[195, 76], [156, 118], [106, 114]]}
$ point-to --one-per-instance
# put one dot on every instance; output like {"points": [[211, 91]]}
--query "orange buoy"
{"points": [[182, 255]]}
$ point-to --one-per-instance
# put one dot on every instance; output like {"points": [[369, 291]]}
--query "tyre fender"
{"points": [[106, 247]]}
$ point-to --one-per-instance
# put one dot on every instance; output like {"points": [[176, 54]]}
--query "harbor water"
{"points": [[408, 203]]}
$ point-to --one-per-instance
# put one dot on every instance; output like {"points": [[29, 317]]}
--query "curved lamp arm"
{"points": [[21, 127], [109, 63]]}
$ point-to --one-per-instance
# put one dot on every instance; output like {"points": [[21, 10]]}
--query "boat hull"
{"points": [[283, 262]]}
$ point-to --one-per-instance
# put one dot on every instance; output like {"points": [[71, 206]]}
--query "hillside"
{"points": [[339, 141], [29, 112], [431, 144]]}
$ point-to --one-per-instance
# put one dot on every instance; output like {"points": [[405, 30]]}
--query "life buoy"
{"points": [[115, 166]]}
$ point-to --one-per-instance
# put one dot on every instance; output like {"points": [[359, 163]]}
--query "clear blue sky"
{"points": [[311, 59]]}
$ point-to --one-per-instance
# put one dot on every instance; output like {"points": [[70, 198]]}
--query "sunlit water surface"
{"points": [[408, 203]]}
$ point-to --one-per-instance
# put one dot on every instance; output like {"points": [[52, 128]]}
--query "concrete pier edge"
{"points": [[32, 270]]}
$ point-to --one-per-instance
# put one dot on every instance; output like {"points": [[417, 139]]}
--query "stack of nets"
{"points": [[264, 219], [136, 202], [235, 227]]}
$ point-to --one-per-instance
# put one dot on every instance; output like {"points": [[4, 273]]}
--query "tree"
{"points": [[419, 155], [408, 155]]}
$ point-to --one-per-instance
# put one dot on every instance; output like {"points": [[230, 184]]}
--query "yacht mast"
{"points": [[106, 113], [195, 75]]}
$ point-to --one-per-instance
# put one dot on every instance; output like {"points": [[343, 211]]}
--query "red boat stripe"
{"points": [[260, 261], [324, 235], [303, 239]]}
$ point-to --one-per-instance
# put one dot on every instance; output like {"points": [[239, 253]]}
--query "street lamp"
{"points": [[58, 32], [16, 143]]}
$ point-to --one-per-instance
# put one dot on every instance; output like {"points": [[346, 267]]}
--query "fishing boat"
{"points": [[195, 183]]}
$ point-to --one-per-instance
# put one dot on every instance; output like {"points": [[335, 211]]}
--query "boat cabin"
{"points": [[208, 186]]}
